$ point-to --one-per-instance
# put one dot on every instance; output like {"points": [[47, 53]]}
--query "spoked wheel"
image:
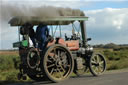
{"points": [[80, 71], [97, 64], [33, 62], [58, 63], [33, 58]]}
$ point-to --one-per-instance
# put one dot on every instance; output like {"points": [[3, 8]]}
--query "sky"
{"points": [[107, 19]]}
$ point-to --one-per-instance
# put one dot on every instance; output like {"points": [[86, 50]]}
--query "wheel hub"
{"points": [[58, 63], [97, 64]]}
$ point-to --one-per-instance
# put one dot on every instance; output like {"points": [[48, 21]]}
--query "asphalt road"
{"points": [[110, 78]]}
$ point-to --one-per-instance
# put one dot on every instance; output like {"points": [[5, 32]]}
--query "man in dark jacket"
{"points": [[42, 33]]}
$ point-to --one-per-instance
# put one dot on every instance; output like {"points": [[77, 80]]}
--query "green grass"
{"points": [[120, 64], [7, 62], [7, 67], [116, 59]]}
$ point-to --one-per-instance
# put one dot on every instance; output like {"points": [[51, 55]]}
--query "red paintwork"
{"points": [[71, 44]]}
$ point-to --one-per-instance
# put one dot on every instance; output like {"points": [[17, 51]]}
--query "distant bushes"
{"points": [[116, 55], [112, 55], [112, 46], [113, 65], [6, 62], [116, 59], [7, 67]]}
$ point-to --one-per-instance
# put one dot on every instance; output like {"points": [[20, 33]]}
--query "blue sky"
{"points": [[107, 19], [106, 4]]}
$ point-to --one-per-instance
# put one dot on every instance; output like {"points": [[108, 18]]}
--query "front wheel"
{"points": [[97, 64]]}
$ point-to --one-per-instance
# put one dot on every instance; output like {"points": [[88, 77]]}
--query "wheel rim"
{"points": [[98, 64], [58, 64], [33, 59]]}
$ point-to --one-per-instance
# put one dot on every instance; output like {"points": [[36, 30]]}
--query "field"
{"points": [[8, 67], [116, 59]]}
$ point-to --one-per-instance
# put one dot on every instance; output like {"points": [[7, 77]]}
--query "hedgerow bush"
{"points": [[7, 62], [7, 67], [116, 59]]}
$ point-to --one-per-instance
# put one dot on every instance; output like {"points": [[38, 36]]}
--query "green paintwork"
{"points": [[23, 43], [16, 44]]}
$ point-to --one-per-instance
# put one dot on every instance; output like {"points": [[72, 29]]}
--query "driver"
{"points": [[42, 34]]}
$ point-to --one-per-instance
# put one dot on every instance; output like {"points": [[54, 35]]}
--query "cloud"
{"points": [[108, 25], [115, 18]]}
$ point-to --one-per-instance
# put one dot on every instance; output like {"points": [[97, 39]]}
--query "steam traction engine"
{"points": [[61, 56]]}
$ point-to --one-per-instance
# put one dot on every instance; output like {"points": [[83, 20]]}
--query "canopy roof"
{"points": [[62, 20]]}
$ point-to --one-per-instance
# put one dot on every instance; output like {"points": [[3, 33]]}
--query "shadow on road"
{"points": [[14, 82], [83, 76], [37, 83], [24, 82]]}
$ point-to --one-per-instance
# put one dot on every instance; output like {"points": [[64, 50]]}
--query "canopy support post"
{"points": [[83, 32], [52, 30], [60, 31], [19, 33]]}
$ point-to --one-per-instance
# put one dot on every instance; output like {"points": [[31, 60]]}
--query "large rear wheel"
{"points": [[58, 63]]}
